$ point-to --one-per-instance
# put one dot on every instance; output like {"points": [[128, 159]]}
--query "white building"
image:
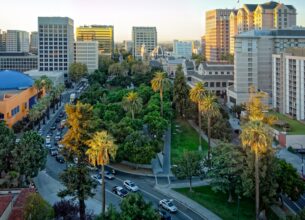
{"points": [[182, 49], [17, 41], [86, 52], [18, 61], [34, 42], [143, 36], [56, 44], [253, 59], [288, 82]]}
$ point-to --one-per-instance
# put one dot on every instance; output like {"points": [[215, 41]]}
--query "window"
{"points": [[15, 110], [212, 84], [224, 84], [218, 84], [216, 73]]}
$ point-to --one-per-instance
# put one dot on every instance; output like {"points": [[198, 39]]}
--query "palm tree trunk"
{"points": [[132, 114], [209, 138], [103, 191], [256, 184], [82, 207], [161, 101], [199, 125]]}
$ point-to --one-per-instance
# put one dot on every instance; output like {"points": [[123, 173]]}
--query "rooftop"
{"points": [[209, 77], [291, 32], [13, 80], [217, 66], [269, 5], [22, 54]]}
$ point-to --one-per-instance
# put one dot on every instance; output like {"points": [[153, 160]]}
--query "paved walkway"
{"points": [[203, 135], [294, 159], [167, 152]]}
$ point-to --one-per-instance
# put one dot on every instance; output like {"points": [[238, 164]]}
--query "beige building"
{"points": [[146, 36], [217, 34], [86, 52]]}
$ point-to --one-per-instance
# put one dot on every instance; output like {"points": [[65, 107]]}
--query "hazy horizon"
{"points": [[174, 19]]}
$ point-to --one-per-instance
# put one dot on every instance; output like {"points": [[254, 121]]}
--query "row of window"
{"points": [[15, 110]]}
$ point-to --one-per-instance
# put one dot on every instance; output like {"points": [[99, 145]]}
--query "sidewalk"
{"points": [[203, 135], [294, 159], [192, 205]]}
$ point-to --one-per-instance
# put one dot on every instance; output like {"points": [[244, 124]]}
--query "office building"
{"points": [[143, 36], [17, 41], [128, 44], [233, 29], [34, 42], [288, 82], [101, 33], [2, 41], [56, 44], [86, 52], [253, 59], [217, 34], [182, 49], [203, 45], [20, 62]]}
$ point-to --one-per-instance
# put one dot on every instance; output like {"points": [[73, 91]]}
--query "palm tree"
{"points": [[159, 83], [257, 136], [47, 83], [196, 95], [38, 85], [132, 103], [210, 108], [101, 149]]}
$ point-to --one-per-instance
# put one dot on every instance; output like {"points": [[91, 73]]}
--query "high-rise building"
{"points": [[203, 45], [128, 45], [34, 42], [253, 59], [56, 44], [86, 52], [270, 15], [101, 33], [2, 41], [17, 41], [143, 36], [288, 77], [182, 49], [18, 61], [217, 34]]}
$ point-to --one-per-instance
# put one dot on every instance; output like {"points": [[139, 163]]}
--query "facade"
{"points": [[253, 59], [128, 45], [171, 66], [203, 45], [288, 82], [20, 62], [17, 96], [34, 42], [2, 41], [182, 49], [56, 44], [233, 29], [17, 41], [217, 34], [143, 36], [86, 52], [101, 33]]}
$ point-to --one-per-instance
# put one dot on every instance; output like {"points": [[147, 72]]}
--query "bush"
{"points": [[65, 209], [291, 150]]}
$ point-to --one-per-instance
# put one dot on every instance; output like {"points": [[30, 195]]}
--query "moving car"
{"points": [[109, 175], [57, 137], [53, 127], [129, 185], [53, 151], [119, 191], [48, 139], [60, 158], [62, 114], [163, 214], [97, 178], [48, 145], [168, 205]]}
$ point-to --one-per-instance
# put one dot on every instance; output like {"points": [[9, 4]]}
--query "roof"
{"points": [[210, 77], [176, 61], [11, 80], [269, 5], [23, 54], [4, 202], [300, 32], [224, 67], [251, 7], [290, 7]]}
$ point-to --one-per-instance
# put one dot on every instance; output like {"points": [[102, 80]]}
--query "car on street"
{"points": [[53, 127], [60, 158], [50, 133], [53, 151], [48, 145], [62, 114], [168, 205], [57, 137], [164, 215], [58, 133], [48, 139], [129, 185], [57, 120], [97, 178], [109, 175], [120, 191], [60, 146]]}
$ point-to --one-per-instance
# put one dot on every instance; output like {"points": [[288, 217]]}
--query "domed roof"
{"points": [[10, 80]]}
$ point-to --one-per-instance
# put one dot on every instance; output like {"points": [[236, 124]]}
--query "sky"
{"points": [[174, 19]]}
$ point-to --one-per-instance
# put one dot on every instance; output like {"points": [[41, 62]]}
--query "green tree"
{"points": [[160, 83], [77, 71], [156, 124], [7, 145], [237, 109], [116, 69], [42, 83], [226, 169], [139, 68], [187, 166], [132, 103], [37, 209], [181, 92]]}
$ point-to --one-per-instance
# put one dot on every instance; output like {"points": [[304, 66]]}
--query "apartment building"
{"points": [[86, 52], [143, 38], [17, 41], [2, 41], [288, 82], [34, 42], [20, 62], [182, 49]]}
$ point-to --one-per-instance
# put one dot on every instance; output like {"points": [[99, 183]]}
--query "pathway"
{"points": [[203, 135]]}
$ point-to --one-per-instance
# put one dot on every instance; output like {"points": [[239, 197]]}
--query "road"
{"points": [[146, 184]]}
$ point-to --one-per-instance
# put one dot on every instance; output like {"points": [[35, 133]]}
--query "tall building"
{"points": [[17, 41], [34, 42], [128, 45], [18, 61], [56, 44], [270, 15], [2, 41], [182, 49], [203, 45], [288, 82], [86, 52], [101, 33], [217, 34], [143, 36], [253, 59]]}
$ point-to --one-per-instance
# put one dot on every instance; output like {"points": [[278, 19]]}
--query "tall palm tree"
{"points": [[210, 108], [159, 83], [196, 95], [101, 149], [132, 103], [257, 136], [47, 83], [38, 86]]}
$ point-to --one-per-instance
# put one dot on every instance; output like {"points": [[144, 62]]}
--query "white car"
{"points": [[48, 145], [97, 178], [130, 186], [48, 139], [119, 191], [57, 138], [168, 205], [109, 175]]}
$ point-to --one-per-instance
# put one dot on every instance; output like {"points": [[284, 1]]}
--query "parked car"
{"points": [[48, 145], [58, 132], [97, 178], [53, 127], [53, 151], [60, 158], [129, 185], [57, 137], [163, 214], [168, 205], [62, 114], [109, 175], [60, 146], [50, 133], [48, 139], [119, 191]]}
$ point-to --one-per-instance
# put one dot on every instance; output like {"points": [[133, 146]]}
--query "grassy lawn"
{"points": [[217, 203], [296, 126], [184, 138]]}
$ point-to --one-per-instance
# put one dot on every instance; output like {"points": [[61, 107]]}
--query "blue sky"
{"points": [[174, 19]]}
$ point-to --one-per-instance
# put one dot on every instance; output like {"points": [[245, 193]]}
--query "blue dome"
{"points": [[10, 80]]}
